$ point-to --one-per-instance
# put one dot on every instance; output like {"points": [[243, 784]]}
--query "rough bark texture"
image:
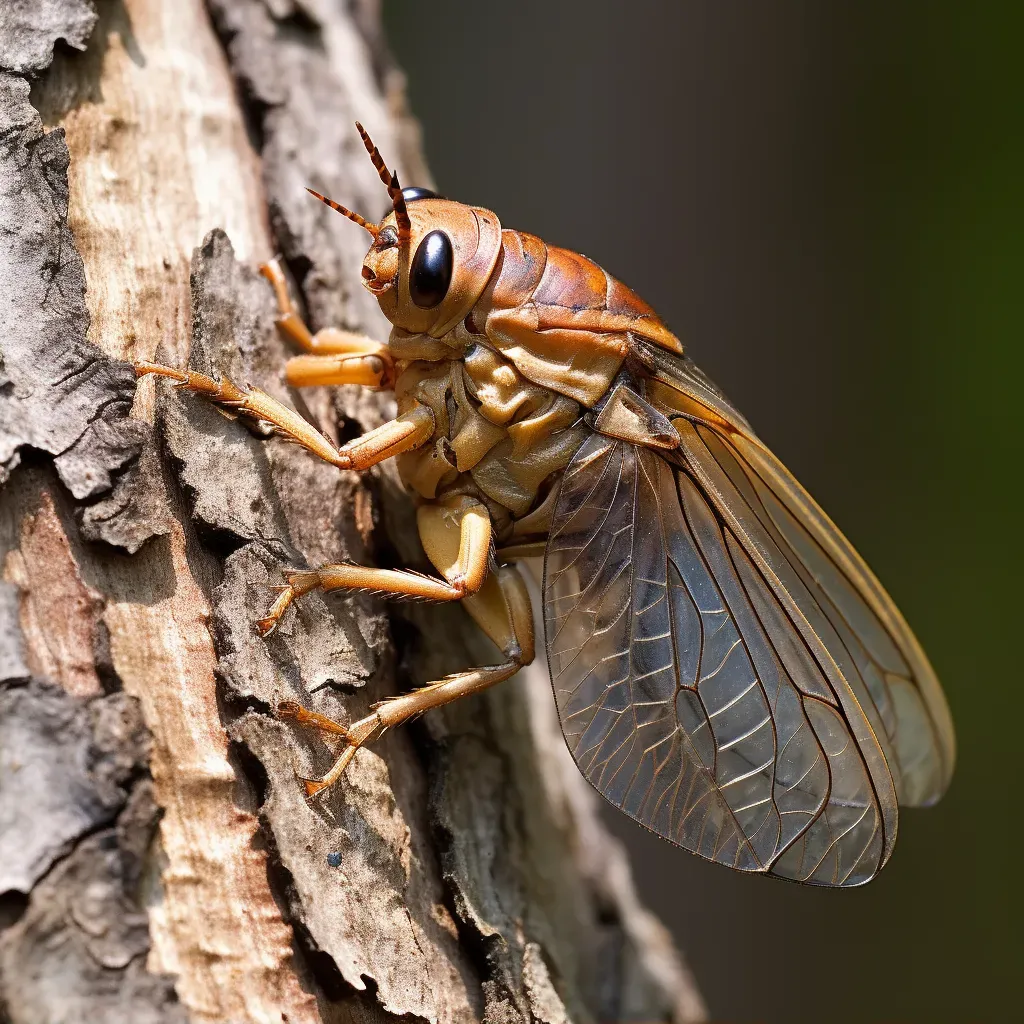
{"points": [[158, 862]]}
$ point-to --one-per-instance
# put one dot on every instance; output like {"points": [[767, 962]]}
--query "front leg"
{"points": [[330, 340], [408, 431]]}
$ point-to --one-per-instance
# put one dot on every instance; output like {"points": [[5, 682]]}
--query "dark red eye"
{"points": [[431, 271]]}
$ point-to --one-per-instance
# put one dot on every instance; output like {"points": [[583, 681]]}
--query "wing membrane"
{"points": [[687, 694], [896, 671], [812, 565]]}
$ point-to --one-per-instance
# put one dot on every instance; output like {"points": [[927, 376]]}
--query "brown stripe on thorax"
{"points": [[562, 320], [571, 291]]}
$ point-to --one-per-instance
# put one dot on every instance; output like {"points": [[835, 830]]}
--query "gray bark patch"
{"points": [[30, 28], [58, 393], [12, 648], [64, 762], [78, 953]]}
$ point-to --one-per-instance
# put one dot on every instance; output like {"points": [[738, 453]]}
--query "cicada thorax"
{"points": [[497, 436], [510, 384], [561, 319]]}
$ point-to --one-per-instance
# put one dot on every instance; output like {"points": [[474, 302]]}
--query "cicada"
{"points": [[726, 668]]}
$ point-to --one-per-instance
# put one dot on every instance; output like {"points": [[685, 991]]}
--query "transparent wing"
{"points": [[835, 599], [688, 694]]}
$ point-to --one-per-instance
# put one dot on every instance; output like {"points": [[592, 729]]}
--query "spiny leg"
{"points": [[329, 341], [503, 611], [465, 527], [408, 431]]}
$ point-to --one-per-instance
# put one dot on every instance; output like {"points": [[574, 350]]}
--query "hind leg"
{"points": [[502, 608], [500, 605]]}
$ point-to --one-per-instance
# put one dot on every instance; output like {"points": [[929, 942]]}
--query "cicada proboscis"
{"points": [[727, 670]]}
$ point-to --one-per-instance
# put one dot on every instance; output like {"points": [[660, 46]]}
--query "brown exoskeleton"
{"points": [[727, 669]]}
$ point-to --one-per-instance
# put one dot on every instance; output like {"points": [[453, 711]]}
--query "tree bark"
{"points": [[158, 861]]}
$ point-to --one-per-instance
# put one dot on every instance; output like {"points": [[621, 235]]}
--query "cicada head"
{"points": [[431, 257]]}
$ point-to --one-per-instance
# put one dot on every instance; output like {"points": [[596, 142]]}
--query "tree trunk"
{"points": [[158, 861]]}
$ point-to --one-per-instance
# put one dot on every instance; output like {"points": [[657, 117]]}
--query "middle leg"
{"points": [[499, 603], [462, 531]]}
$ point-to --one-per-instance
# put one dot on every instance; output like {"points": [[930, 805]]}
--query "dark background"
{"points": [[825, 201]]}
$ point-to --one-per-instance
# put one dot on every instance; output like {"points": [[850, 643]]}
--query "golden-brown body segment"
{"points": [[738, 681]]}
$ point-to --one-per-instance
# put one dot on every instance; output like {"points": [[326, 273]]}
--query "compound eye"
{"points": [[431, 271], [414, 192]]}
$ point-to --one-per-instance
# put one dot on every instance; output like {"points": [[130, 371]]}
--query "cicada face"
{"points": [[427, 281]]}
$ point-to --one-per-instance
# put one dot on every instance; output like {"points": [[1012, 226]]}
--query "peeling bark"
{"points": [[158, 861]]}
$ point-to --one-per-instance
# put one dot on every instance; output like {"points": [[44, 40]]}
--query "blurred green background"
{"points": [[825, 201]]}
